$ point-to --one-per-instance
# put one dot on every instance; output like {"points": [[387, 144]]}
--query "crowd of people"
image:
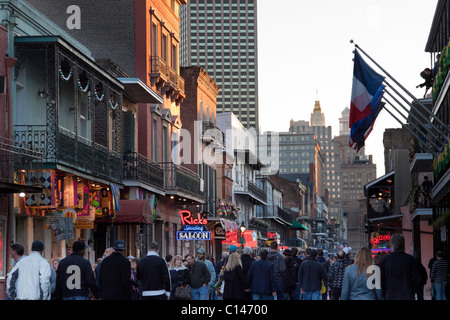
{"points": [[239, 275]]}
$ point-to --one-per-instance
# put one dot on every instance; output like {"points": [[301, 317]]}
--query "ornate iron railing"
{"points": [[136, 167], [158, 65], [72, 151], [256, 192], [273, 211], [179, 178], [17, 162]]}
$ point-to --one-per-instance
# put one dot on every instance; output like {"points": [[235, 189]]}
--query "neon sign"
{"points": [[194, 228], [380, 238], [188, 219]]}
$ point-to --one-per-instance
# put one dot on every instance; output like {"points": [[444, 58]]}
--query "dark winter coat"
{"points": [[311, 274], [279, 265], [179, 277], [261, 277], [198, 275], [75, 269], [290, 282], [399, 276], [154, 275], [115, 278], [246, 263], [234, 284]]}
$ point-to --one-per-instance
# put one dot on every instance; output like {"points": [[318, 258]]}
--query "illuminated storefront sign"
{"points": [[194, 227], [188, 219], [380, 241]]}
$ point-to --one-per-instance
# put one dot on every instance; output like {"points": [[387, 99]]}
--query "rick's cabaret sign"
{"points": [[194, 226]]}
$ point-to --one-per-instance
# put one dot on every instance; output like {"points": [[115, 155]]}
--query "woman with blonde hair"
{"points": [[179, 274], [233, 278], [355, 285]]}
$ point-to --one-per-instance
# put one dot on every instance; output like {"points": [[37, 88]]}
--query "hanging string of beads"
{"points": [[99, 98], [86, 88], [113, 105], [64, 77]]}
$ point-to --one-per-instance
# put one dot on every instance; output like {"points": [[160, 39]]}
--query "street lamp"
{"points": [[242, 227]]}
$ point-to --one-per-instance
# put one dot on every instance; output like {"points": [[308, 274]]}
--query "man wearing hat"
{"points": [[201, 257], [115, 275], [348, 260], [75, 277], [33, 276]]}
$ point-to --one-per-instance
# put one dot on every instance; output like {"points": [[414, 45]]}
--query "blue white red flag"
{"points": [[367, 91]]}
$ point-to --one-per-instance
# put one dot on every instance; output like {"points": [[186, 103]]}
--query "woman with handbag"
{"points": [[180, 279]]}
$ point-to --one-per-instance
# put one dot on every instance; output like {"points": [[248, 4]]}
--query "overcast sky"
{"points": [[304, 46]]}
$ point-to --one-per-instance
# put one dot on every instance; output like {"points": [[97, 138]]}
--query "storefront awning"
{"points": [[134, 211], [298, 226]]}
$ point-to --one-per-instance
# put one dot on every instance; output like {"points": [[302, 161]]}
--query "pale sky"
{"points": [[304, 46]]}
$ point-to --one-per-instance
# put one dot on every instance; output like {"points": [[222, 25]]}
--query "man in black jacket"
{"points": [[399, 272], [115, 275], [199, 277], [75, 277], [310, 276], [153, 272]]}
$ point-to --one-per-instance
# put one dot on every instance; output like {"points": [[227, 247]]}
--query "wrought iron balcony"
{"points": [[180, 84], [319, 231], [158, 72], [182, 182], [274, 212], [254, 194], [17, 162], [65, 148], [136, 167]]}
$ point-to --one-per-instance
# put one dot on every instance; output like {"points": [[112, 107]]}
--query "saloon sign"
{"points": [[194, 226]]}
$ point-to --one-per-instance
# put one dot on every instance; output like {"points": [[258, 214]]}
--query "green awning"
{"points": [[298, 226]]}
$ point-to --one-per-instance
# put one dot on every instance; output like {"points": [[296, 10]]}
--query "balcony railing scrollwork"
{"points": [[72, 151]]}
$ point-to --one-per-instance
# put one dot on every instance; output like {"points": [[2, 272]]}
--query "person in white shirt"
{"points": [[32, 276]]}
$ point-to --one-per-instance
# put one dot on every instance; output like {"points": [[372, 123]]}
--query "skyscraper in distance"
{"points": [[221, 37]]}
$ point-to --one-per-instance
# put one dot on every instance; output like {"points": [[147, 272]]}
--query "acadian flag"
{"points": [[367, 91]]}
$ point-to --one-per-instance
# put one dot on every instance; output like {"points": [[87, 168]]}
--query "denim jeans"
{"points": [[257, 296], [200, 293], [75, 298], [312, 295], [440, 290]]}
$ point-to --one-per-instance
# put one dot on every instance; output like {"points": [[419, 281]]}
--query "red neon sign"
{"points": [[188, 219], [382, 237], [271, 235]]}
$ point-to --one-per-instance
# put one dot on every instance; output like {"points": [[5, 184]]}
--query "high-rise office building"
{"points": [[221, 37], [331, 167], [357, 170]]}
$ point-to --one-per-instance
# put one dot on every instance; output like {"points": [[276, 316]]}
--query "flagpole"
{"points": [[410, 131], [412, 115], [404, 89], [417, 128], [420, 131]]}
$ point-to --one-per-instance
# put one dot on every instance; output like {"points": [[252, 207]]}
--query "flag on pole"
{"points": [[367, 91], [153, 206]]}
